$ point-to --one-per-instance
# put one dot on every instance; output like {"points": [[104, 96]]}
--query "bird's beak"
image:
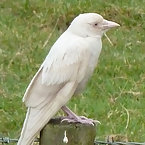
{"points": [[108, 24]]}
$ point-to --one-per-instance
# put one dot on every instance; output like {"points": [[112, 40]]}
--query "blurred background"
{"points": [[115, 94]]}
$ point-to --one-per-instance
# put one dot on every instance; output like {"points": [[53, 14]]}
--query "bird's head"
{"points": [[90, 24]]}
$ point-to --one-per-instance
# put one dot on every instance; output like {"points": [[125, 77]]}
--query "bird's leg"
{"points": [[69, 112], [72, 117]]}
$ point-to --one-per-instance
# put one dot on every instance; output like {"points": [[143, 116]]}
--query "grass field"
{"points": [[117, 89]]}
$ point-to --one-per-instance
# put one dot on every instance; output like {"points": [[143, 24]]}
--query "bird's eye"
{"points": [[96, 24]]}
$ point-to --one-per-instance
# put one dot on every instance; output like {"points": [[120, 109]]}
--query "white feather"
{"points": [[50, 88]]}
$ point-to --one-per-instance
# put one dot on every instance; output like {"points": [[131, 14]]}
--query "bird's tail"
{"points": [[35, 120], [37, 117]]}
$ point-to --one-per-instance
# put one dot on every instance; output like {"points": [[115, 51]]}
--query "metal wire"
{"points": [[118, 143], [7, 140]]}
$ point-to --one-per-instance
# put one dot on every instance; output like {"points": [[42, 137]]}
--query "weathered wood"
{"points": [[77, 134]]}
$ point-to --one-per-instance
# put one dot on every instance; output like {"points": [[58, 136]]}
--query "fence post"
{"points": [[77, 134]]}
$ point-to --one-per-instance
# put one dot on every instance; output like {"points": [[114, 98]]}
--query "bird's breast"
{"points": [[94, 49]]}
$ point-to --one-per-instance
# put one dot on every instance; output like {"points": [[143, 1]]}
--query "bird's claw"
{"points": [[94, 121], [80, 119]]}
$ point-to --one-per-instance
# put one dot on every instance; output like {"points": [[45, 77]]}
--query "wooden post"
{"points": [[77, 134]]}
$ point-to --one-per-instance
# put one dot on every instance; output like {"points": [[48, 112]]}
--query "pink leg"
{"points": [[69, 112], [72, 117]]}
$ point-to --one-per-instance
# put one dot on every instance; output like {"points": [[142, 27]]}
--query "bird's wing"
{"points": [[63, 66], [65, 62]]}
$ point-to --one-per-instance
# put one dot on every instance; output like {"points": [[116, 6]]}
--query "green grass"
{"points": [[118, 83]]}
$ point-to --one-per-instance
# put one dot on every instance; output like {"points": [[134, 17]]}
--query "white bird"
{"points": [[64, 73]]}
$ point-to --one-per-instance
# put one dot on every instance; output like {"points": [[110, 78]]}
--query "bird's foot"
{"points": [[80, 119], [73, 118]]}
